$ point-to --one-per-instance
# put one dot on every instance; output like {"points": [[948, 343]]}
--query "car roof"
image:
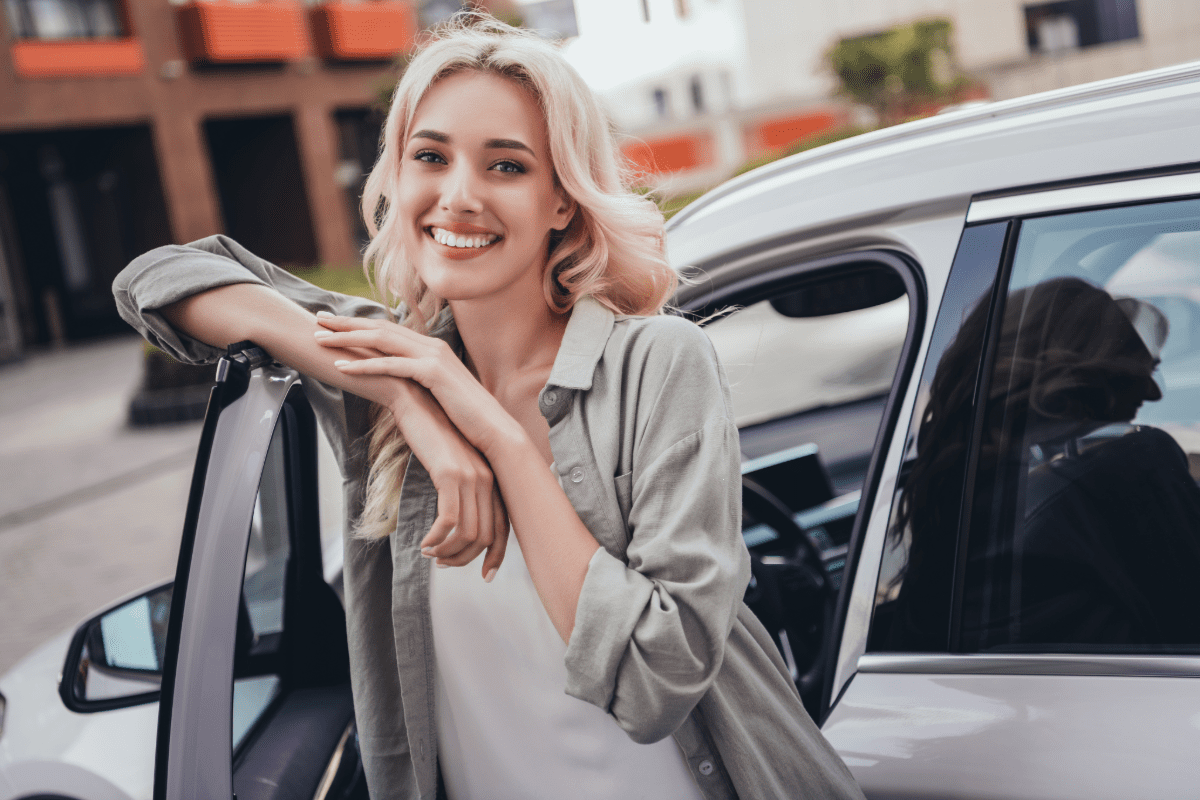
{"points": [[934, 166]]}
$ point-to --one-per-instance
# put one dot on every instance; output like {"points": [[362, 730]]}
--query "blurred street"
{"points": [[90, 509]]}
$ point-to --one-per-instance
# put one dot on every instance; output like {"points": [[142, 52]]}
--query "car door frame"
{"points": [[193, 754], [756, 277]]}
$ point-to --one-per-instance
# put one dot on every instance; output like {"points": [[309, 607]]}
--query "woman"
{"points": [[607, 653]]}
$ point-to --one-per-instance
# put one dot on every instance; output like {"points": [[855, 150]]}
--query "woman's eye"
{"points": [[429, 157], [507, 166]]}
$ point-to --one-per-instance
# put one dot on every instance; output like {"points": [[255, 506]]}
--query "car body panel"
{"points": [[1134, 123], [1052, 737], [102, 756]]}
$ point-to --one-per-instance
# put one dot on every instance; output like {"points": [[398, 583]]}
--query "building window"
{"points": [[1068, 24], [662, 108], [697, 94], [645, 10], [65, 19]]}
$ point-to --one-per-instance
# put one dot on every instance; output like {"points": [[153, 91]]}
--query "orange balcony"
{"points": [[77, 58], [779, 132], [223, 32], [370, 31], [677, 153]]}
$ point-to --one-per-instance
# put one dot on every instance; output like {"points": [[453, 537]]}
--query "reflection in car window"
{"points": [[1085, 528], [912, 599], [267, 551]]}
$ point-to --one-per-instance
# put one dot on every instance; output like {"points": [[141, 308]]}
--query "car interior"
{"points": [[810, 363]]}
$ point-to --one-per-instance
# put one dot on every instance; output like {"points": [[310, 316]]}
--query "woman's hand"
{"points": [[404, 353], [471, 516]]}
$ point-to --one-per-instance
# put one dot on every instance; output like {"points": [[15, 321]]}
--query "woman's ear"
{"points": [[565, 211]]}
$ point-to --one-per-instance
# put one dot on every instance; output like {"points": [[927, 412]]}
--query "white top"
{"points": [[506, 727]]}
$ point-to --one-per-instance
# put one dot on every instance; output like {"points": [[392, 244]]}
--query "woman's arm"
{"points": [[171, 291], [645, 634]]}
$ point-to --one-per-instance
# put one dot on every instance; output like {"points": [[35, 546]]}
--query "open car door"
{"points": [[256, 699]]}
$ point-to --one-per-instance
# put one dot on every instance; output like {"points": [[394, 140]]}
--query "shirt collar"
{"points": [[583, 343]]}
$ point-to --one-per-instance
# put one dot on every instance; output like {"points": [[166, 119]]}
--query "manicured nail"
{"points": [[427, 552], [341, 363], [441, 566], [325, 314], [322, 334], [491, 574]]}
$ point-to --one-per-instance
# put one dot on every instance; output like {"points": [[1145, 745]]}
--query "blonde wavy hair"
{"points": [[612, 250]]}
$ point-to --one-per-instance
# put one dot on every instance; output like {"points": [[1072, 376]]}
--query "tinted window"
{"points": [[912, 600], [1085, 523]]}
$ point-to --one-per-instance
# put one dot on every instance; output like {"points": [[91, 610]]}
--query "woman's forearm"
{"points": [[248, 311]]}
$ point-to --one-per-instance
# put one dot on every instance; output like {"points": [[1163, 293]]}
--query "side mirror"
{"points": [[115, 658], [847, 290]]}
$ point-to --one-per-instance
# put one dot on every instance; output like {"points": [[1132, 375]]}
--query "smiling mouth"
{"points": [[464, 241]]}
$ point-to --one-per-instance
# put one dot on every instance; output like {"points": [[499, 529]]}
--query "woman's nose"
{"points": [[461, 191]]}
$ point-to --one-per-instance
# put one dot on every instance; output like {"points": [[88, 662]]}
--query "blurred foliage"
{"points": [[897, 71]]}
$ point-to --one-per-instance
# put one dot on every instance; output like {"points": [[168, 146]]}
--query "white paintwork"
{"points": [[46, 749], [1051, 737]]}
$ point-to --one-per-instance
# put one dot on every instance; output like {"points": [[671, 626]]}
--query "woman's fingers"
{"points": [[495, 553], [465, 534]]}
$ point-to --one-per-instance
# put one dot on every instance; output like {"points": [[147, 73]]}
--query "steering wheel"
{"points": [[790, 592]]}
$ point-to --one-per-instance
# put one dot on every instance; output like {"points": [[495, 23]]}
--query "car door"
{"points": [[255, 698], [1022, 619]]}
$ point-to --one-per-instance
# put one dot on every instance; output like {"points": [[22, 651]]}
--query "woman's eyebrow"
{"points": [[490, 144], [508, 144]]}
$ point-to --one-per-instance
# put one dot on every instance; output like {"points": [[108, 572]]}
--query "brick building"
{"points": [[128, 124]]}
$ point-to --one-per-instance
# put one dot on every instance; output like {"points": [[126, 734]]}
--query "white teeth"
{"points": [[442, 236]]}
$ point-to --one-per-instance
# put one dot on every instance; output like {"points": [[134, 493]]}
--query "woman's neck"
{"points": [[508, 338]]}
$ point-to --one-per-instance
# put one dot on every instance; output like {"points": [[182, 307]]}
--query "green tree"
{"points": [[898, 70]]}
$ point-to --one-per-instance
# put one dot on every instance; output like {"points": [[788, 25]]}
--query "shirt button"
{"points": [[550, 398], [705, 767], [576, 475]]}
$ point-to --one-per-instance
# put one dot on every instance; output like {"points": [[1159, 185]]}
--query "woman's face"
{"points": [[477, 197]]}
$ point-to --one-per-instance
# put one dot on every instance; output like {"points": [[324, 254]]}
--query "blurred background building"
{"points": [[127, 124]]}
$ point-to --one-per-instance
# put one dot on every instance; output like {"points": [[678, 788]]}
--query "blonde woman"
{"points": [[599, 647]]}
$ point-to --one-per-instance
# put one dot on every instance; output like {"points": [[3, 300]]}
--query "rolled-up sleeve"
{"points": [[168, 274], [650, 632]]}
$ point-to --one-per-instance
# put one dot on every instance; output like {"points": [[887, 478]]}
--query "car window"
{"points": [[1084, 531], [912, 597], [260, 626], [798, 380]]}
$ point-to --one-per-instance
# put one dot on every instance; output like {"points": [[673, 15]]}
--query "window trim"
{"points": [[1085, 198], [1142, 665]]}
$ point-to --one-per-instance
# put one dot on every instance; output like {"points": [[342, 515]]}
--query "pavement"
{"points": [[90, 509]]}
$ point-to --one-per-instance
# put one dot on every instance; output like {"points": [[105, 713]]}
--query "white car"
{"points": [[965, 359]]}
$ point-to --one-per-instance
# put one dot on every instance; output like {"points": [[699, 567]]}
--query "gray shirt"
{"points": [[643, 438]]}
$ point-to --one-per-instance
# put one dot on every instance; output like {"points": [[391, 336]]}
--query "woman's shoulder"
{"points": [[668, 356], [661, 338]]}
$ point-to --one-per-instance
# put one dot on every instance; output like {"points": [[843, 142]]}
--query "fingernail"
{"points": [[325, 314], [341, 363], [427, 552], [441, 566], [491, 574], [322, 334]]}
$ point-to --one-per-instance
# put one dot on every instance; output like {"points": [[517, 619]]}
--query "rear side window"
{"points": [[1084, 518]]}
